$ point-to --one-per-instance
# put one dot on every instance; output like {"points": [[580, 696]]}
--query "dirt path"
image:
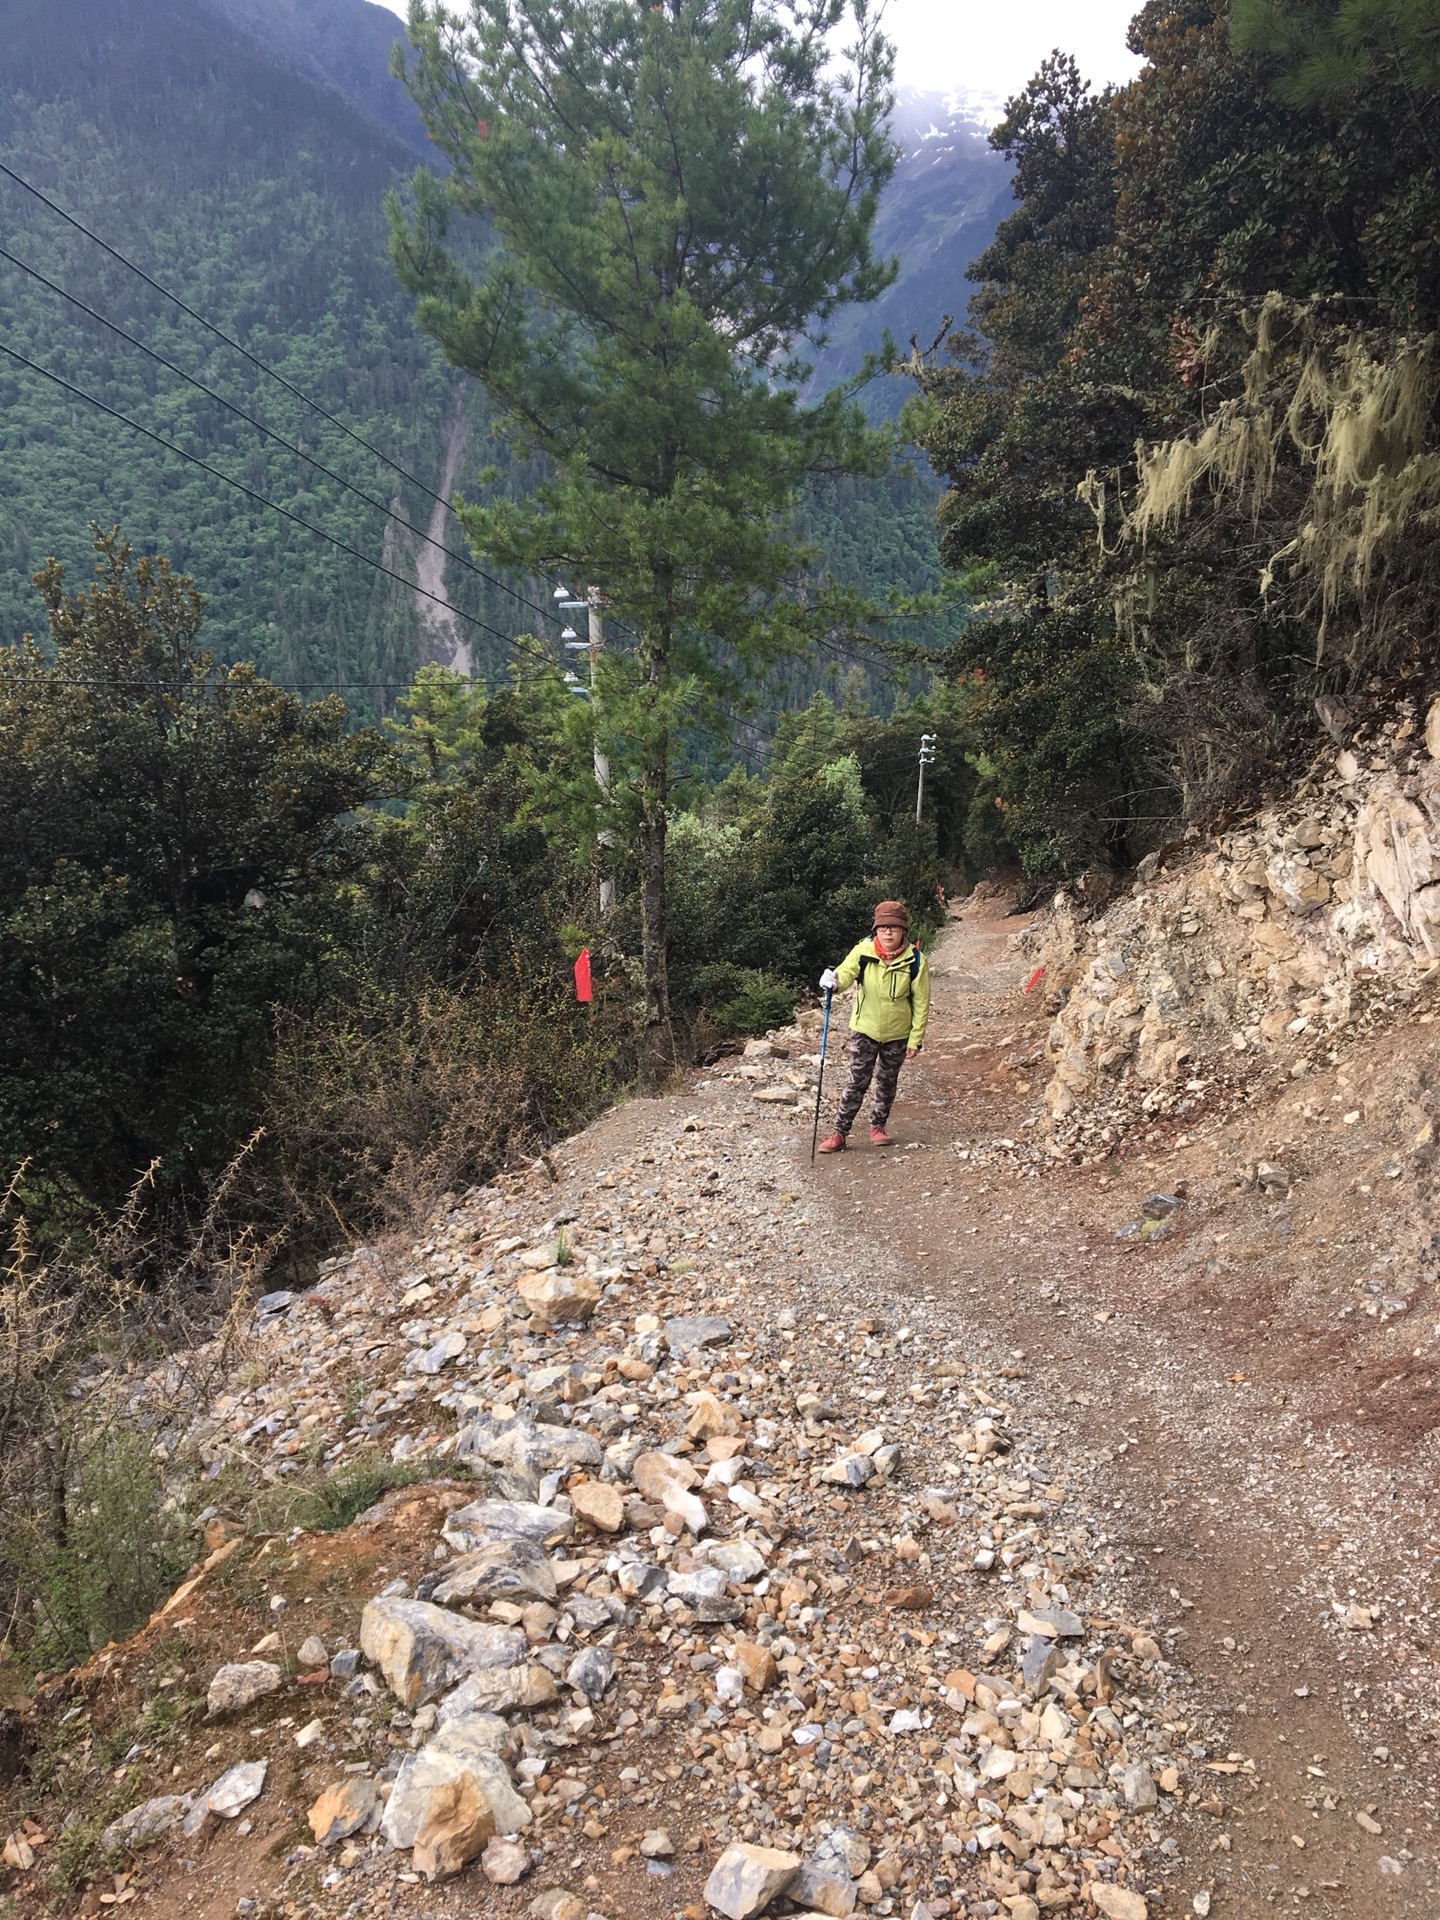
{"points": [[1239, 1500], [1036, 1570]]}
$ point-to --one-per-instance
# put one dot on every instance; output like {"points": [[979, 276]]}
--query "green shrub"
{"points": [[326, 1502], [744, 1000], [94, 1566]]}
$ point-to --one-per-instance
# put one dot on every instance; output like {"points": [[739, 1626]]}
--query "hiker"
{"points": [[887, 1023]]}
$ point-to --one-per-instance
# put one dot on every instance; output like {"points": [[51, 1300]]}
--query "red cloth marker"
{"points": [[1033, 978], [582, 976]]}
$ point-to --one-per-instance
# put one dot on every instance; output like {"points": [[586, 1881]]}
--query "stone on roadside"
{"points": [[746, 1878], [741, 1560], [1040, 1660], [233, 1791], [563, 1294], [504, 1862], [240, 1684], [591, 1671], [434, 1359], [1117, 1903], [514, 1569], [558, 1903], [343, 1809], [654, 1472], [850, 1470], [910, 1599], [147, 1822], [313, 1652], [457, 1822], [422, 1649], [657, 1844], [504, 1689], [521, 1443], [758, 1666], [826, 1884], [436, 1766], [538, 1258], [687, 1333], [665, 1480], [1055, 1623], [1138, 1787], [600, 1503], [711, 1415], [638, 1580], [471, 1526]]}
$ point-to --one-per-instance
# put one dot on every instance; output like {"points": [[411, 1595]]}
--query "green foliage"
{"points": [[121, 1547], [326, 1502], [678, 196], [773, 879], [179, 848], [742, 1000], [1328, 53], [465, 867], [1124, 682]]}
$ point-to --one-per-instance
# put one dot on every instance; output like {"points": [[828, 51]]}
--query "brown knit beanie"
{"points": [[890, 913]]}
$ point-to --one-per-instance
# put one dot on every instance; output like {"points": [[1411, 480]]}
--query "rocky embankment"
{"points": [[1260, 953], [722, 1588]]}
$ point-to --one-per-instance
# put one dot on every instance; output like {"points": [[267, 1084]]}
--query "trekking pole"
{"points": [[820, 1083]]}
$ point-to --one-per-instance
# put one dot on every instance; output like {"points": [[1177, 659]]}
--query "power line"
{"points": [[218, 474], [262, 680], [305, 399], [259, 425], [262, 366]]}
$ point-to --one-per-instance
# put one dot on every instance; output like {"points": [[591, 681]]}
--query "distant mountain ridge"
{"points": [[939, 212], [341, 44]]}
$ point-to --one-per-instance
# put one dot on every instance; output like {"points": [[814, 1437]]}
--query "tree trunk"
{"points": [[657, 1061], [658, 1051]]}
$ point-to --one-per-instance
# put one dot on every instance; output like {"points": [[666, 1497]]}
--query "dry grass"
{"points": [[375, 1115], [90, 1530]]}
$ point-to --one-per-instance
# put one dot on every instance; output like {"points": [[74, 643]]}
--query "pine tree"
{"points": [[677, 197]]}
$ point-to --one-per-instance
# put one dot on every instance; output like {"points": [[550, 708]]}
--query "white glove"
{"points": [[829, 980]]}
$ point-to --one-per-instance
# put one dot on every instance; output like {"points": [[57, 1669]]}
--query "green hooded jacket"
{"points": [[892, 993]]}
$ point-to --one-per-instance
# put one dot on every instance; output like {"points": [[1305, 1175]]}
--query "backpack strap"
{"points": [[870, 959]]}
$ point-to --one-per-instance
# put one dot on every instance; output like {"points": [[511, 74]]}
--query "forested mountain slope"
{"points": [[341, 44], [255, 195], [238, 152]]}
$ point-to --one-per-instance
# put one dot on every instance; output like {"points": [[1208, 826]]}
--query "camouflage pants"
{"points": [[881, 1058]]}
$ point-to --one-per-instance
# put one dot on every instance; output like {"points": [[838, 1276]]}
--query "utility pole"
{"points": [[927, 759], [595, 641]]}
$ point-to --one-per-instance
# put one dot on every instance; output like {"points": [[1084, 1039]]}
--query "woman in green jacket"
{"points": [[887, 1023]]}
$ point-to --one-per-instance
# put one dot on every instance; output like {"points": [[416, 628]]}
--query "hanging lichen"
{"points": [[1355, 413]]}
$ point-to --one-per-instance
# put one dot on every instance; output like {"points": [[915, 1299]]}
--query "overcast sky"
{"points": [[990, 48]]}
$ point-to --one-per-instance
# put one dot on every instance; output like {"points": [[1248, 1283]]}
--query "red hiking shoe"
{"points": [[832, 1143], [879, 1137]]}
